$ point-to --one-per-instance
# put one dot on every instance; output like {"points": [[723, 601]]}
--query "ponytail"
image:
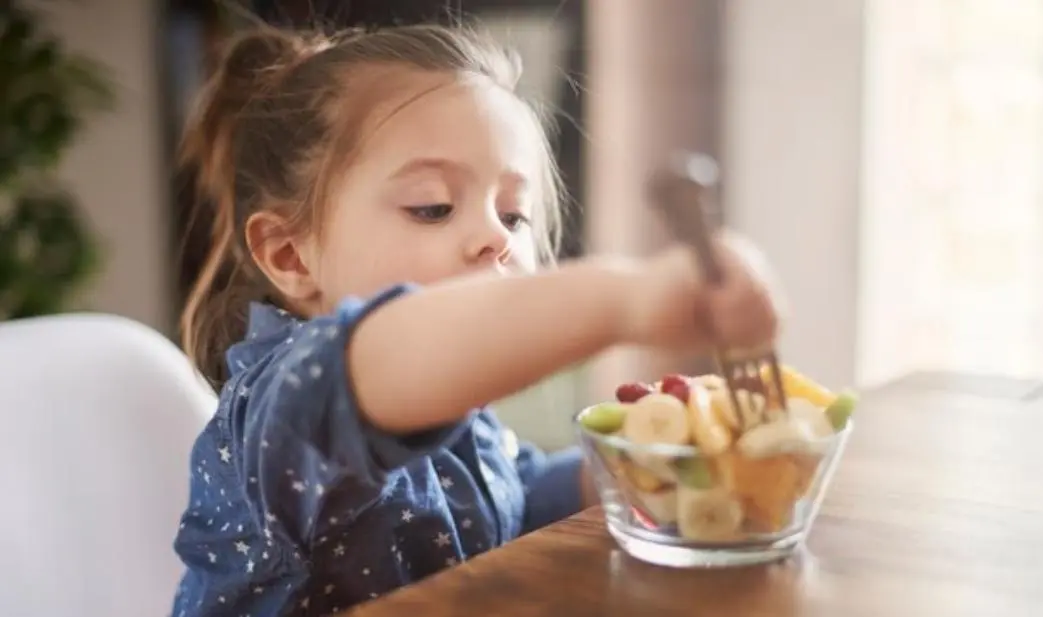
{"points": [[214, 315]]}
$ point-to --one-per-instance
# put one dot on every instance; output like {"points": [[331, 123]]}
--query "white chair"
{"points": [[97, 419]]}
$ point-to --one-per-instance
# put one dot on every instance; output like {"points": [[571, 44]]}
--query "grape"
{"points": [[676, 386], [632, 392]]}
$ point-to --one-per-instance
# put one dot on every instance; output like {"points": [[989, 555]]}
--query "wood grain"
{"points": [[936, 509]]}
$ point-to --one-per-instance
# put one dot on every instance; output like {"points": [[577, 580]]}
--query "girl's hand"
{"points": [[672, 306]]}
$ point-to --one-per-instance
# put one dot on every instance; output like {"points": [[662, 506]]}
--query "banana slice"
{"points": [[752, 408], [710, 381], [815, 417], [708, 431], [723, 408], [657, 419], [783, 436], [751, 411], [707, 514]]}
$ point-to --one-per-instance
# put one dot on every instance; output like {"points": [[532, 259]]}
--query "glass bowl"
{"points": [[672, 506]]}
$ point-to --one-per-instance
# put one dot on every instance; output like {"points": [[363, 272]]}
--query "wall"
{"points": [[654, 86], [116, 169], [792, 162]]}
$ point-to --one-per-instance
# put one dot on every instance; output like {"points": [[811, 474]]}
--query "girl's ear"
{"points": [[278, 255]]}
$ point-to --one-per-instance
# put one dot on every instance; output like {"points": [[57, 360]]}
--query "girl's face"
{"points": [[444, 184]]}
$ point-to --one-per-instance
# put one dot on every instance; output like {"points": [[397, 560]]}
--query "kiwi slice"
{"points": [[605, 418], [694, 473], [840, 410]]}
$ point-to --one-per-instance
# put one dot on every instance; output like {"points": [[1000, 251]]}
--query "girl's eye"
{"points": [[430, 214], [513, 221]]}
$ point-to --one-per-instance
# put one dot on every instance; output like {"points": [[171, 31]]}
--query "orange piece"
{"points": [[798, 385], [807, 467], [768, 487]]}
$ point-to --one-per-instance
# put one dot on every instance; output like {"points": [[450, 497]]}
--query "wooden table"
{"points": [[936, 510]]}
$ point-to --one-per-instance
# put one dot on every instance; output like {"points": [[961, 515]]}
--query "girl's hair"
{"points": [[279, 121]]}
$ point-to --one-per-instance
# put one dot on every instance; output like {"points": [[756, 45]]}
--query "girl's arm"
{"points": [[427, 358]]}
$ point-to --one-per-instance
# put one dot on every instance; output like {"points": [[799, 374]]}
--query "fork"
{"points": [[678, 192]]}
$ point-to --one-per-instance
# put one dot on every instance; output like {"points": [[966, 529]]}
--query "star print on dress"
{"points": [[318, 510]]}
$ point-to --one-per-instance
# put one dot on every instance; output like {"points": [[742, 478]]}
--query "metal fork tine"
{"points": [[755, 384], [726, 370], [776, 376]]}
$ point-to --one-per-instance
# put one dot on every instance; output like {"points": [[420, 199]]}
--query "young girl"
{"points": [[351, 452]]}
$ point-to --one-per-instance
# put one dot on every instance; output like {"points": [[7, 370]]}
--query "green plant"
{"points": [[46, 93]]}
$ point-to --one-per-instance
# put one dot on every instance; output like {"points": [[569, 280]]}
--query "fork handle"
{"points": [[678, 195]]}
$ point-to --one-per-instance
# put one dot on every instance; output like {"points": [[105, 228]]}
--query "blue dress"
{"points": [[299, 507]]}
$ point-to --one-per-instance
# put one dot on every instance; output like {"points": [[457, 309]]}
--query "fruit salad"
{"points": [[691, 458]]}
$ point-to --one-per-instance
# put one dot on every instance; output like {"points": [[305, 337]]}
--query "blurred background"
{"points": [[886, 154]]}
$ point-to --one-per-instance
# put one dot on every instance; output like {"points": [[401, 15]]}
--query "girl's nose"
{"points": [[489, 242]]}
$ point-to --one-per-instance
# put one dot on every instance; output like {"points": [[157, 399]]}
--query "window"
{"points": [[952, 236]]}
